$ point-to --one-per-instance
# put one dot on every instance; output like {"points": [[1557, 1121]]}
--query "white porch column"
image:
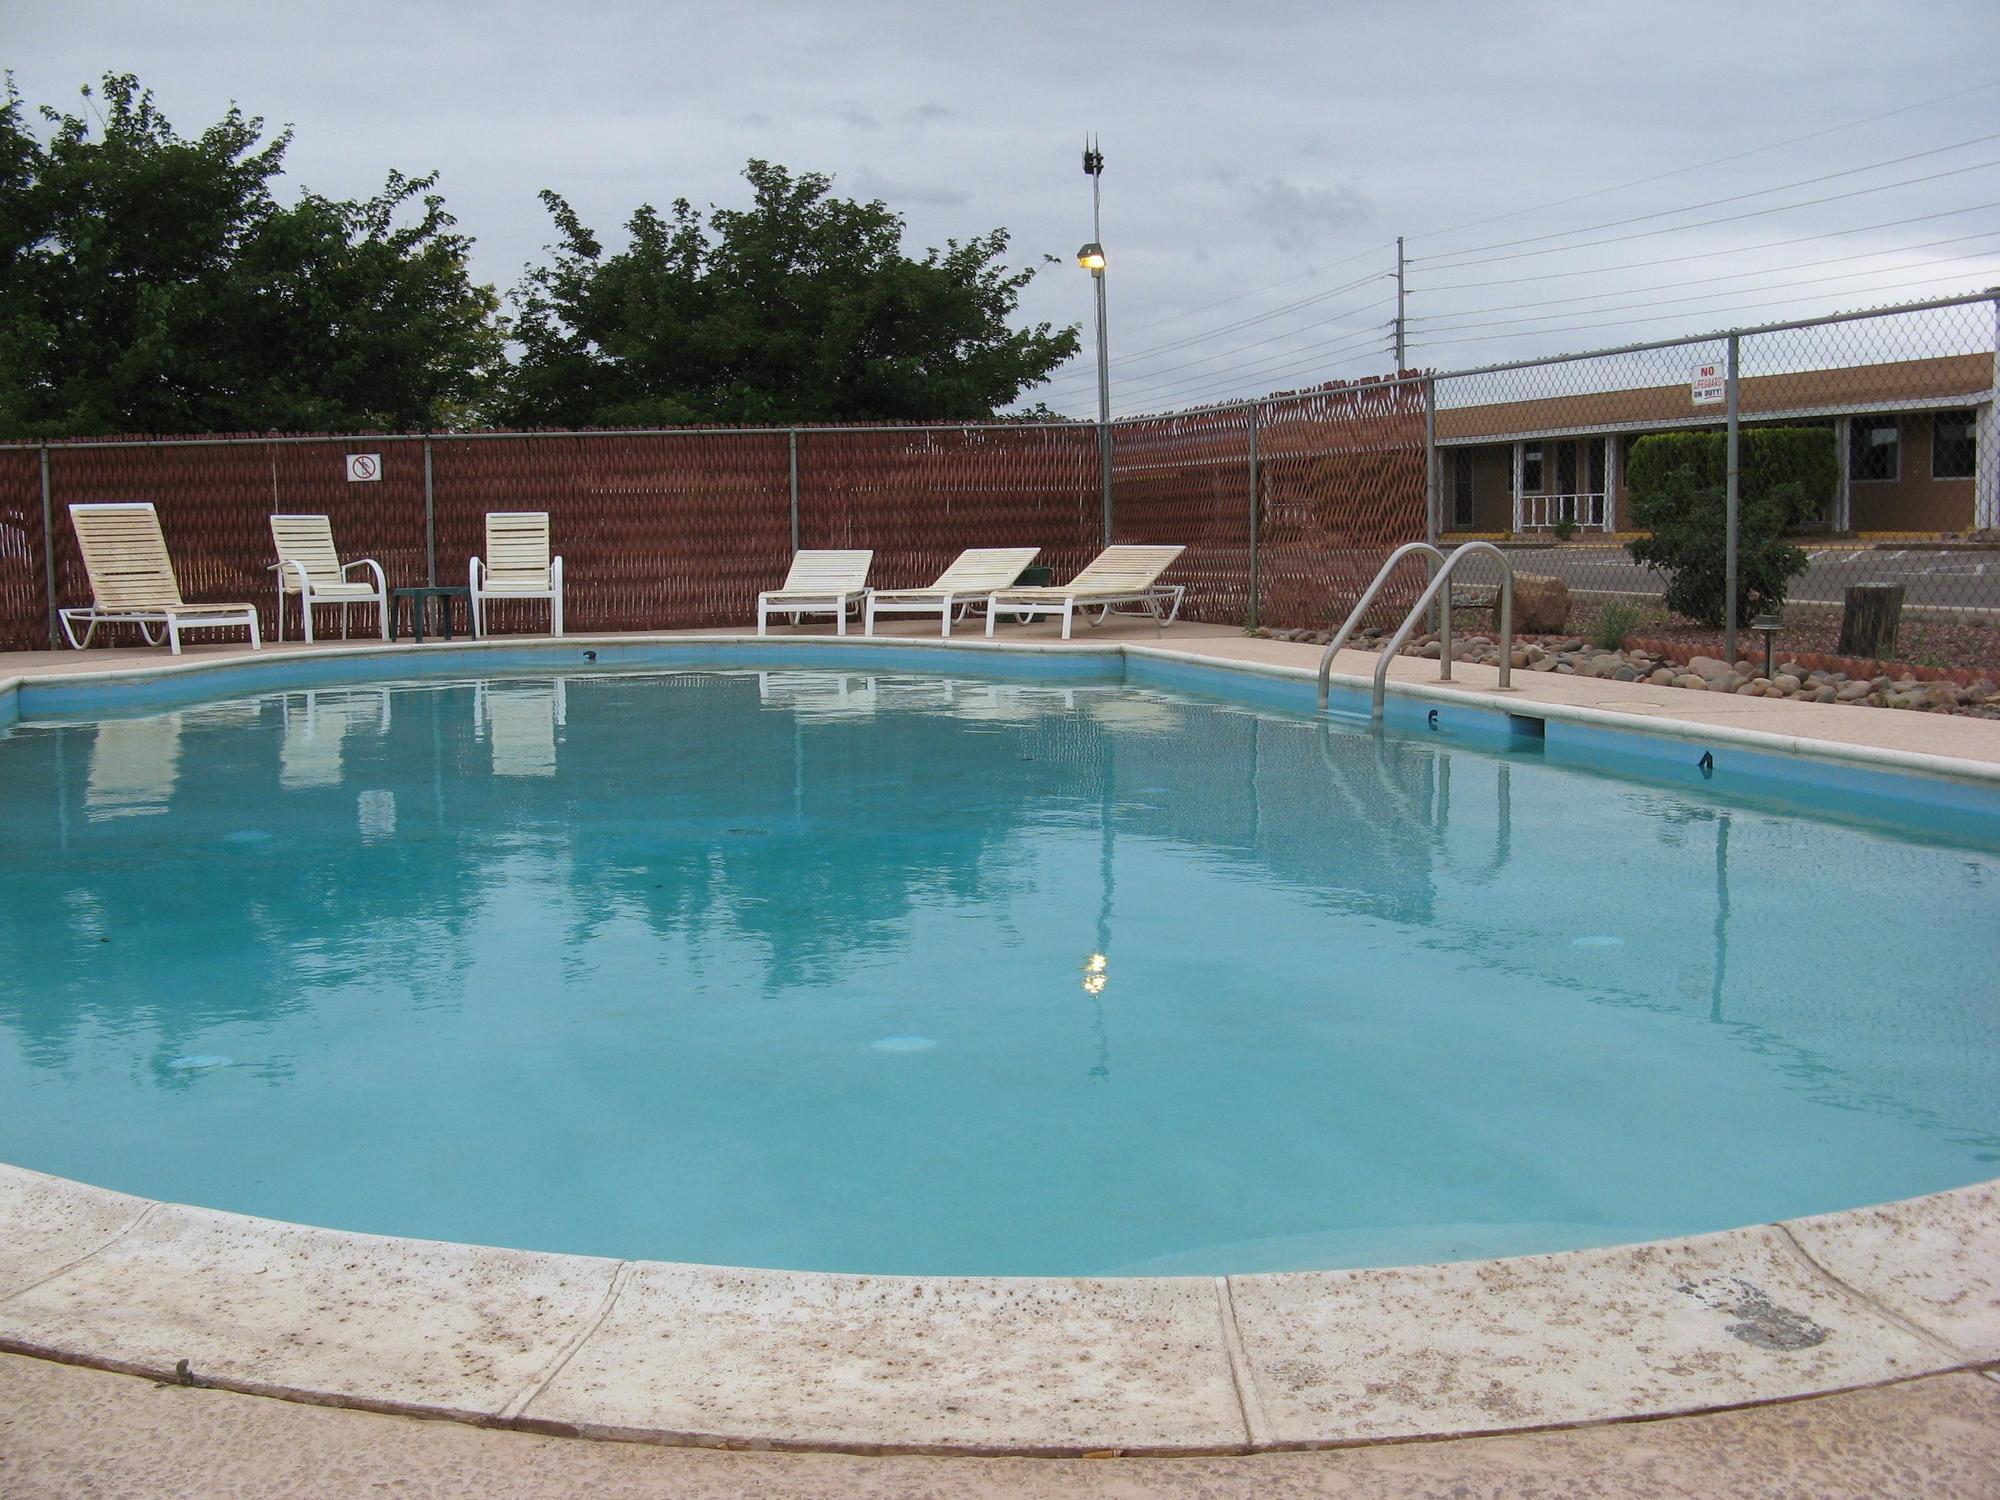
{"points": [[1610, 483], [1843, 442], [1517, 488], [1985, 468]]}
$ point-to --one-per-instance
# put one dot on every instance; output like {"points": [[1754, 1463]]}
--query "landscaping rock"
{"points": [[1541, 604]]}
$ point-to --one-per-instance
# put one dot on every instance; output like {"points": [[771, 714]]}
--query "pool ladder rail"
{"points": [[1438, 589]]}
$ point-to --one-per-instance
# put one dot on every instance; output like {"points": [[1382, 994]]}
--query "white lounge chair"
{"points": [[975, 573], [518, 565], [1117, 575], [132, 579], [309, 569], [819, 583]]}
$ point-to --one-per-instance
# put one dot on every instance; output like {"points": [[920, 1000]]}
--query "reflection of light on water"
{"points": [[1096, 974], [903, 1044]]}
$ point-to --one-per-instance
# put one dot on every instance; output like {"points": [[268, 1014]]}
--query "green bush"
{"points": [[1768, 458], [1565, 528], [1613, 623], [1786, 477], [1689, 541]]}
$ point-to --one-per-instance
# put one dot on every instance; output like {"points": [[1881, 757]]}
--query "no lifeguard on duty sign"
{"points": [[363, 467]]}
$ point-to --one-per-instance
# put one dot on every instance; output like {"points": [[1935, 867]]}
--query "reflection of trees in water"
{"points": [[808, 812], [263, 917], [813, 819]]}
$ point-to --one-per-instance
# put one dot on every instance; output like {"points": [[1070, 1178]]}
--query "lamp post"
{"points": [[1091, 258]]}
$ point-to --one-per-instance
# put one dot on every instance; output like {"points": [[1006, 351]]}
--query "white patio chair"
{"points": [[1117, 575], [517, 566], [973, 575], [819, 583], [132, 579], [310, 570]]}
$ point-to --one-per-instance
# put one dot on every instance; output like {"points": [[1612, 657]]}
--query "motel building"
{"points": [[1913, 434]]}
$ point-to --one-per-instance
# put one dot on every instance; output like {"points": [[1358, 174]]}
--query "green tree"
{"points": [[1787, 478], [1689, 524], [801, 308], [153, 283]]}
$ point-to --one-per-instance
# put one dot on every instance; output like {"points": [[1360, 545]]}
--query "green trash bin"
{"points": [[1036, 577]]}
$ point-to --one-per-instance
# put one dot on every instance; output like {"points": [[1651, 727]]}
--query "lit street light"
{"points": [[1091, 258]]}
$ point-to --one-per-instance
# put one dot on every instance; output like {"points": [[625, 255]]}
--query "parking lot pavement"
{"points": [[1932, 576]]}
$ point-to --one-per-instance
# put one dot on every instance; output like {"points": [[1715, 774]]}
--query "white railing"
{"points": [[1539, 512]]}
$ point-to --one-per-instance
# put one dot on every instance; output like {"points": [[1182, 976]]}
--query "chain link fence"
{"points": [[1882, 422], [1869, 438]]}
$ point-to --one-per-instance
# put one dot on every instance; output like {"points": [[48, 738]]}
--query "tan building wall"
{"points": [[1913, 501]]}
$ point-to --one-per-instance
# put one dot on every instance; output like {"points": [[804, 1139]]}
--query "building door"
{"points": [[1566, 480]]}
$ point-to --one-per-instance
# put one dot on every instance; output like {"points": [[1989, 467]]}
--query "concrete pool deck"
{"points": [[1905, 1297]]}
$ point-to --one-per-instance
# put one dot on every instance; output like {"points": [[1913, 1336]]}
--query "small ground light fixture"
{"points": [[1767, 626]]}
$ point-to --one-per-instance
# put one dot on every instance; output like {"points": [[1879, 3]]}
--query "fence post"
{"points": [[49, 553], [1730, 507], [430, 522], [1104, 474], [1256, 523], [792, 443], [1433, 502]]}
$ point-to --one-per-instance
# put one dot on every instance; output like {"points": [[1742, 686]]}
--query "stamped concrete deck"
{"points": [[1901, 1304]]}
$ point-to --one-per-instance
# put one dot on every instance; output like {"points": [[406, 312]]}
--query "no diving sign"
{"points": [[363, 467]]}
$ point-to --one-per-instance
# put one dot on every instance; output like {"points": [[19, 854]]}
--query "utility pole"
{"points": [[1401, 350]]}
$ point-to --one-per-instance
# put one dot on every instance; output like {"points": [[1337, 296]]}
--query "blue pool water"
{"points": [[913, 974]]}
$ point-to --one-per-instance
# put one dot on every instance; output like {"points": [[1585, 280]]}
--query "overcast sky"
{"points": [[1257, 154]]}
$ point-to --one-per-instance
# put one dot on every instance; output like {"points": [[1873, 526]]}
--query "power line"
{"points": [[1673, 260], [1264, 370], [1345, 315], [1161, 378], [1699, 281], [1259, 290], [1515, 213], [1274, 364], [1755, 213], [1457, 257], [1482, 338], [1141, 354], [1316, 371], [1709, 203]]}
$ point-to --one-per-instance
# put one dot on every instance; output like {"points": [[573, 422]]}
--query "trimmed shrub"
{"points": [[1768, 458]]}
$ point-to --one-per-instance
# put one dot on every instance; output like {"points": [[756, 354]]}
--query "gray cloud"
{"points": [[869, 183], [1302, 218]]}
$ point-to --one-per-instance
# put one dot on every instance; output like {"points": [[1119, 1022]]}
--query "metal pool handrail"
{"points": [[1368, 598], [1442, 582]]}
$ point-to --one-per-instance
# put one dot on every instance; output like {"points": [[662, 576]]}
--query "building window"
{"points": [[1873, 451], [1954, 445], [1597, 450], [1531, 469], [1461, 489]]}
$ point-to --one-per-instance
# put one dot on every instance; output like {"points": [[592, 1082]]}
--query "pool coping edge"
{"points": [[1270, 1387]]}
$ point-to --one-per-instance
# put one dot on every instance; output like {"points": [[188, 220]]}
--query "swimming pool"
{"points": [[902, 971]]}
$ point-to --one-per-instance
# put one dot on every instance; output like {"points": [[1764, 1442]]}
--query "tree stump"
{"points": [[1869, 619]]}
